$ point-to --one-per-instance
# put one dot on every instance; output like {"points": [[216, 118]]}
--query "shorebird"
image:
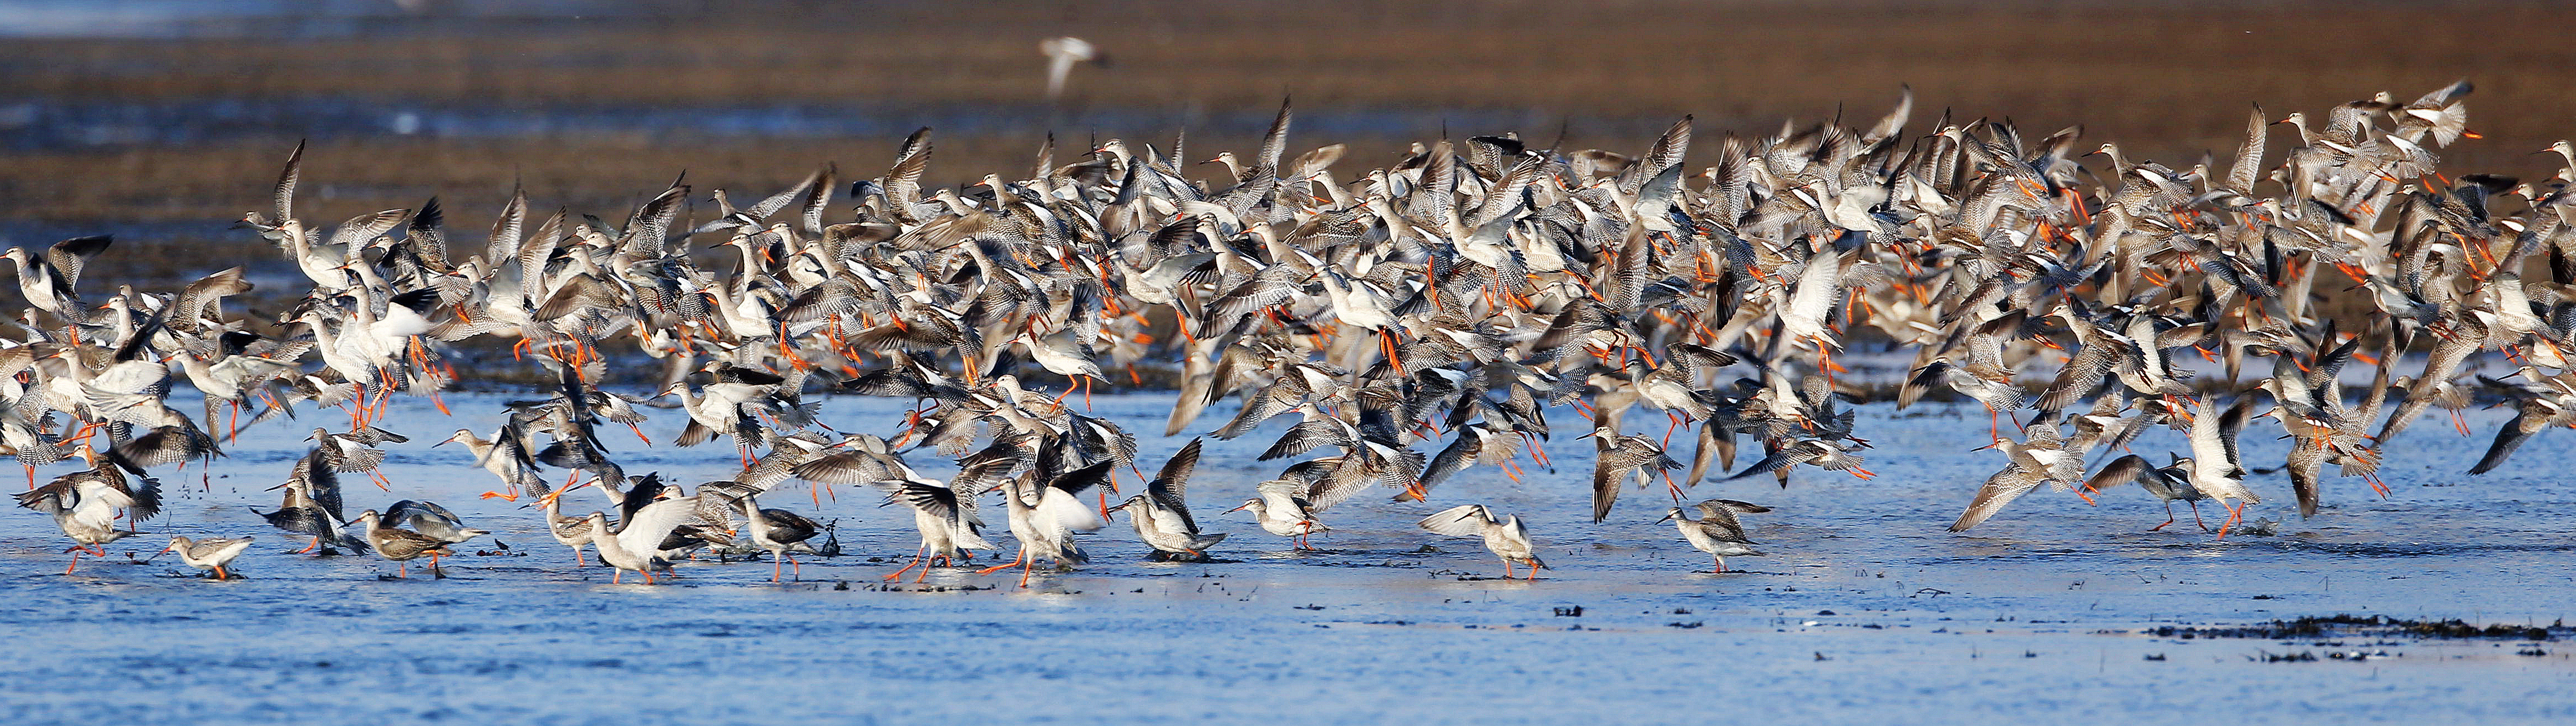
{"points": [[1062, 358], [49, 282], [355, 452], [506, 456], [944, 513], [402, 545], [1716, 531], [1162, 513], [1505, 537], [2168, 484], [86, 512], [2213, 468], [1998, 394], [1620, 457], [1062, 53], [779, 531], [1283, 509], [570, 532], [210, 553], [634, 545], [1046, 515], [1448, 303], [2043, 459], [430, 519], [311, 507], [1820, 453], [86, 504]]}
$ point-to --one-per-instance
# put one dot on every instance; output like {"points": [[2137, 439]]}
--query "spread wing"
{"points": [[2123, 470], [1465, 520], [1062, 511], [1999, 490], [932, 499], [283, 195], [903, 182], [69, 256], [1170, 488], [643, 531]]}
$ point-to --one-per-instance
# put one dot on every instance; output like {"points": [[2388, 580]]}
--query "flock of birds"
{"points": [[1462, 293]]}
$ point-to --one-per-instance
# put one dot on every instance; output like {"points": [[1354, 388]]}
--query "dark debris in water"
{"points": [[2342, 625]]}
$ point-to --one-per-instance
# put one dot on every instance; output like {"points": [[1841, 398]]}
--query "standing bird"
{"points": [[779, 531], [1283, 509], [430, 519], [1162, 514], [1061, 54], [211, 553], [1506, 537], [2213, 464], [945, 513], [1045, 516], [1716, 531], [402, 545], [505, 456], [312, 506], [570, 532], [86, 505], [633, 545]]}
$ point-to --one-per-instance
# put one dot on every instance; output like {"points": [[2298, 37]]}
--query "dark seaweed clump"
{"points": [[2342, 625]]}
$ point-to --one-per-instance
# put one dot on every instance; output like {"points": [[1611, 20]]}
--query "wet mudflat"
{"points": [[1866, 610]]}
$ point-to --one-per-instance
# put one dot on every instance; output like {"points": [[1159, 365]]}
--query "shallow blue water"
{"points": [[2034, 616]]}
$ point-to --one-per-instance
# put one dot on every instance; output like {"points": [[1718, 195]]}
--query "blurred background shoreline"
{"points": [[163, 121]]}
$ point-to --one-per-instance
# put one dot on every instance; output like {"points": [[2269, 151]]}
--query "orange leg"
{"points": [[916, 560], [1024, 556]]}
